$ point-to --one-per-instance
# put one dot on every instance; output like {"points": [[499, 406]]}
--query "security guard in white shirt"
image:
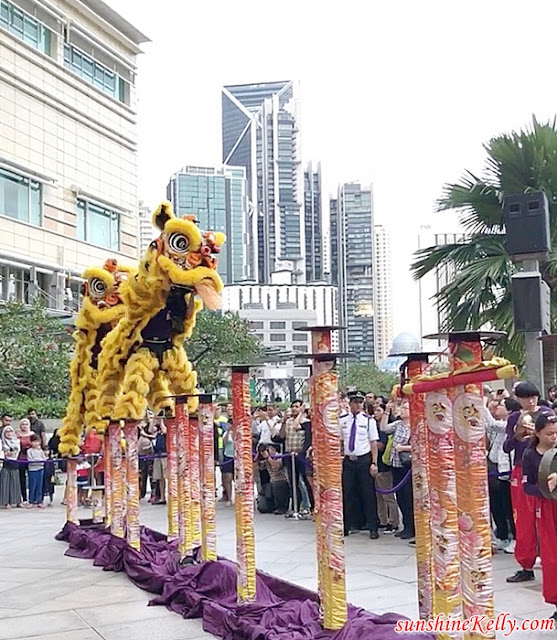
{"points": [[359, 467]]}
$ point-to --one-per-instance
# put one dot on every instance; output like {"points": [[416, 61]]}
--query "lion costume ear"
{"points": [[163, 213]]}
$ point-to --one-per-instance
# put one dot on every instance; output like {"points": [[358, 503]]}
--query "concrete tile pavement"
{"points": [[45, 595]]}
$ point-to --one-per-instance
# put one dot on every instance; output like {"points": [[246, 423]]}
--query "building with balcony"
{"points": [[68, 145], [382, 292]]}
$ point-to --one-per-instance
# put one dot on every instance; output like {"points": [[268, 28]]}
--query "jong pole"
{"points": [[416, 365], [132, 484], [194, 466], [206, 412], [107, 480], [71, 492], [182, 426], [474, 519], [243, 470], [326, 434], [117, 479], [172, 476]]}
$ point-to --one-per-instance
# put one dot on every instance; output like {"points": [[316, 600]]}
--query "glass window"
{"points": [[256, 325], [96, 73], [278, 325], [98, 225], [20, 198], [25, 27], [278, 337], [299, 337], [301, 348], [299, 324]]}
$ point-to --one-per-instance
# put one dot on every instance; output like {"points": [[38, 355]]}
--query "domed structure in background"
{"points": [[403, 343]]}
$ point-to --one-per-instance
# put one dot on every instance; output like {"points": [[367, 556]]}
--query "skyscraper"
{"points": [[382, 293], [217, 197], [352, 267], [317, 228], [260, 131]]}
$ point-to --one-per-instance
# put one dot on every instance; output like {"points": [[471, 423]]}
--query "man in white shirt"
{"points": [[359, 467]]}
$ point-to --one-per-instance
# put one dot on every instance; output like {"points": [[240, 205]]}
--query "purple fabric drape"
{"points": [[282, 611]]}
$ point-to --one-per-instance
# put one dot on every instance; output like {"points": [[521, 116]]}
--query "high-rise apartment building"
{"points": [[317, 231], [147, 231], [217, 197], [260, 131], [352, 267], [382, 293], [68, 145]]}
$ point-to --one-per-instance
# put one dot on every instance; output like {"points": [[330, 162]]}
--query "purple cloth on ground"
{"points": [[282, 611]]}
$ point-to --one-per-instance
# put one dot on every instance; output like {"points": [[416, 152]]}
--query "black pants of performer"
{"points": [[23, 481], [501, 507], [358, 491], [404, 498], [300, 471], [281, 495], [144, 467]]}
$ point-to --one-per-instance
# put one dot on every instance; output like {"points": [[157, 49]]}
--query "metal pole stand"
{"points": [[295, 514]]}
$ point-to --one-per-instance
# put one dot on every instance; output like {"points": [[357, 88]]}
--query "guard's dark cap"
{"points": [[356, 396]]}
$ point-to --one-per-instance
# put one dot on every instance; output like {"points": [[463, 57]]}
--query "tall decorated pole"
{"points": [[474, 519], [107, 480], [172, 475], [327, 461], [195, 480], [71, 492], [416, 366], [206, 413], [117, 478], [185, 538], [243, 469], [132, 484]]}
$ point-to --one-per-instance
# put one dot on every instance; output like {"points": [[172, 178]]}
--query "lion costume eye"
{"points": [[178, 243], [97, 287]]}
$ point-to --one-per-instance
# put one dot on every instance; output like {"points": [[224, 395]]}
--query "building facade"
{"points": [[68, 145], [317, 229], [352, 248], [261, 132], [217, 196], [382, 293], [147, 231]]}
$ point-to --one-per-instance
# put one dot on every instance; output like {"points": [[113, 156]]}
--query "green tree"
{"points": [[479, 294], [365, 376], [35, 351], [219, 339]]}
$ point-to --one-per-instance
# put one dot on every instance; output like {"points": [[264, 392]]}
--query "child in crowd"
{"points": [[544, 439], [36, 458], [83, 468], [280, 488]]}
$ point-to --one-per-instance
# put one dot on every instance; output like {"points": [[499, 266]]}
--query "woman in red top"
{"points": [[93, 444], [24, 434]]}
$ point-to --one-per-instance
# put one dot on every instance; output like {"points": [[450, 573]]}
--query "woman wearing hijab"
{"points": [[10, 487], [24, 434]]}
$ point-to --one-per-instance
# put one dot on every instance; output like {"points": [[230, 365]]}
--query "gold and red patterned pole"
{"points": [[243, 469], [416, 365], [132, 484], [117, 488], [195, 481], [185, 538], [172, 476], [327, 460], [206, 412], [107, 480], [71, 492], [474, 520]]}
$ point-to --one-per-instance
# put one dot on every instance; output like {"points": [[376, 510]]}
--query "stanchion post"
{"points": [[326, 434], [132, 484], [416, 365], [117, 519], [243, 469], [71, 492], [206, 412]]}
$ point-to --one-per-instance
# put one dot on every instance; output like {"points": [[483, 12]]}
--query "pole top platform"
{"points": [[549, 338], [464, 336], [418, 355], [324, 356], [321, 328]]}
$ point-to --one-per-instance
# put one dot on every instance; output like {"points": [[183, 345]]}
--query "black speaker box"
{"points": [[531, 302], [526, 217]]}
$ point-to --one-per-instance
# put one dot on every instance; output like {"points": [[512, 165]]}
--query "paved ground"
{"points": [[45, 595]]}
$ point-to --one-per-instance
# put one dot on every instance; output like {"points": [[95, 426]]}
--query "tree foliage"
{"points": [[219, 339], [34, 353], [366, 377], [478, 295]]}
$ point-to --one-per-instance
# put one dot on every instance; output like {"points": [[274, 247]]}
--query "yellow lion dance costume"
{"points": [[143, 362], [101, 309]]}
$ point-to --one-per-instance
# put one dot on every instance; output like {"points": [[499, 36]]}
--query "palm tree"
{"points": [[479, 295]]}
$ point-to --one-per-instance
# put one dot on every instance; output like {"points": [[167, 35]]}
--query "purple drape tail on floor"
{"points": [[282, 611]]}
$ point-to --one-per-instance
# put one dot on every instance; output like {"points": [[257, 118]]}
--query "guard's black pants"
{"points": [[501, 507], [358, 492], [404, 497]]}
